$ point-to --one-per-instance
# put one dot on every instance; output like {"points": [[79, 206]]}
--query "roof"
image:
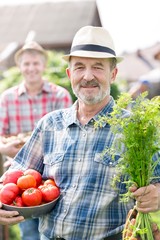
{"points": [[53, 23], [137, 63]]}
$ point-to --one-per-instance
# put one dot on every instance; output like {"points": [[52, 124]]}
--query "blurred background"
{"points": [[53, 23]]}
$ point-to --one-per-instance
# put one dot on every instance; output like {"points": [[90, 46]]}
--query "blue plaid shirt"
{"points": [[63, 149]]}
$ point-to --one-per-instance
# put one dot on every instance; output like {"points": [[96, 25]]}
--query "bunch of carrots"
{"points": [[139, 132]]}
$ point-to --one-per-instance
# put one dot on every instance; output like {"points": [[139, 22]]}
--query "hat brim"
{"points": [[89, 54], [20, 51]]}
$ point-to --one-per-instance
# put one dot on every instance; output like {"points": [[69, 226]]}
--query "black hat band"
{"points": [[93, 48]]}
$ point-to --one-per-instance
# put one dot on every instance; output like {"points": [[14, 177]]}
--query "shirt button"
{"points": [[65, 210], [84, 134], [79, 159]]}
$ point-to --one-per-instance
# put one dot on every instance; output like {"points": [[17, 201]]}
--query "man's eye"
{"points": [[80, 67], [98, 68]]}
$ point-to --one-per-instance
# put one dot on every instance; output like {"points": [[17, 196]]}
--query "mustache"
{"points": [[92, 83]]}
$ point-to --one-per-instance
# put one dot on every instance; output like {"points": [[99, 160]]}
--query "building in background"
{"points": [[52, 24], [138, 63]]}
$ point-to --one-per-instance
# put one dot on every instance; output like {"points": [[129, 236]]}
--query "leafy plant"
{"points": [[115, 91], [14, 232], [139, 132]]}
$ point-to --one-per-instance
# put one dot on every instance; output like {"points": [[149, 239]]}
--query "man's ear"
{"points": [[68, 72], [113, 75]]}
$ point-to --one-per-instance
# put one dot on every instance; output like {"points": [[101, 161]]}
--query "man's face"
{"points": [[91, 78], [32, 66]]}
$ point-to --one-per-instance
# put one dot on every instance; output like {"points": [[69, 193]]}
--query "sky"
{"points": [[133, 24]]}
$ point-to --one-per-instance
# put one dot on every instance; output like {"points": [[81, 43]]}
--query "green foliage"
{"points": [[115, 92], [55, 72], [10, 78], [14, 232], [139, 132]]}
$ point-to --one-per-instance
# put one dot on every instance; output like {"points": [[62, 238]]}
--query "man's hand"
{"points": [[129, 227], [156, 232], [9, 217], [147, 198], [10, 149]]}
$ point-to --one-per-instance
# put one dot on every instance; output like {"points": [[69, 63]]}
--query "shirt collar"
{"points": [[45, 88], [106, 110], [71, 115]]}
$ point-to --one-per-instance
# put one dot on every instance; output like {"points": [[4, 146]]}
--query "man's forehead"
{"points": [[79, 60]]}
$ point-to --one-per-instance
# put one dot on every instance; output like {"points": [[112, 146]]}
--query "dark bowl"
{"points": [[32, 212]]}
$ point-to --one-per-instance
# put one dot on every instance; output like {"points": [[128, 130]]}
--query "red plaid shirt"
{"points": [[20, 112]]}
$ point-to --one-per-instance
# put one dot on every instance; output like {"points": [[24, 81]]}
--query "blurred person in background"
{"points": [[149, 82], [23, 105]]}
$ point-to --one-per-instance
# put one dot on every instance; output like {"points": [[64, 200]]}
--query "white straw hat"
{"points": [[93, 42], [30, 46]]}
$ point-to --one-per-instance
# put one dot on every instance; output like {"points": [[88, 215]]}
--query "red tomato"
{"points": [[40, 186], [32, 197], [26, 181], [35, 174], [50, 182], [11, 176], [8, 193], [18, 202], [49, 192]]}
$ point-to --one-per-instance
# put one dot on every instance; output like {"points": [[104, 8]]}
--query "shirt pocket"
{"points": [[106, 159], [110, 168], [53, 158], [53, 165]]}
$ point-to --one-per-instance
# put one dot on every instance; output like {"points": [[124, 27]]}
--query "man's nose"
{"points": [[88, 75], [31, 67]]}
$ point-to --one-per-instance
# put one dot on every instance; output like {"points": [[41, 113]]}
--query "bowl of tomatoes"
{"points": [[32, 212], [27, 193]]}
